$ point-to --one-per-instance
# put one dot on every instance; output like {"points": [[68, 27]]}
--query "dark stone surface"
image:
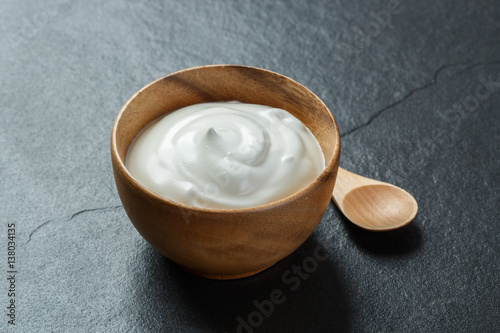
{"points": [[398, 95]]}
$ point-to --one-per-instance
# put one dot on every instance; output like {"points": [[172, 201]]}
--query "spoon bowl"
{"points": [[372, 204]]}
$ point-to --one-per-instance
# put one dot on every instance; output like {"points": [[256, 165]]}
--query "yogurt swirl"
{"points": [[225, 155]]}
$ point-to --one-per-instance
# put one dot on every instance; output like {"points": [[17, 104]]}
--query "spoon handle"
{"points": [[345, 182], [342, 186]]}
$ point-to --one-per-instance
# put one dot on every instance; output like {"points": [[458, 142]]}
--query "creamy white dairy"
{"points": [[225, 155]]}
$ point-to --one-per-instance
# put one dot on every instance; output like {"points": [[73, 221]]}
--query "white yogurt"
{"points": [[225, 155]]}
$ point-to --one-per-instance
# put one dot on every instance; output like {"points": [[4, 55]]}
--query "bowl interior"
{"points": [[225, 83]]}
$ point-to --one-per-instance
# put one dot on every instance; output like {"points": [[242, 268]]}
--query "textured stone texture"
{"points": [[69, 65]]}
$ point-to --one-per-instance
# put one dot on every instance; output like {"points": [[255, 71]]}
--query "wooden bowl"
{"points": [[224, 243]]}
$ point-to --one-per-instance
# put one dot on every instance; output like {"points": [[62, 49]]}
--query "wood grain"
{"points": [[372, 204], [224, 243]]}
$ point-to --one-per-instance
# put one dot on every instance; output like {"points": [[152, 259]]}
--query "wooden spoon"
{"points": [[372, 204]]}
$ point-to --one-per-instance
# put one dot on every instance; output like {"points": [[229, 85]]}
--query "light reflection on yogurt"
{"points": [[225, 155]]}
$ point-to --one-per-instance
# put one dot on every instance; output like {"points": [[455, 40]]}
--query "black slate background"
{"points": [[397, 90]]}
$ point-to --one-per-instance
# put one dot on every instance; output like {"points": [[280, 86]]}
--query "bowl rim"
{"points": [[116, 159]]}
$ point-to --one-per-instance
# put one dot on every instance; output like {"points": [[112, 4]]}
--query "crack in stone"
{"points": [[72, 217], [93, 210], [368, 122], [411, 92], [36, 229], [474, 65]]}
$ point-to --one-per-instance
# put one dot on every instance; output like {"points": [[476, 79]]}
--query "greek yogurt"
{"points": [[225, 155]]}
